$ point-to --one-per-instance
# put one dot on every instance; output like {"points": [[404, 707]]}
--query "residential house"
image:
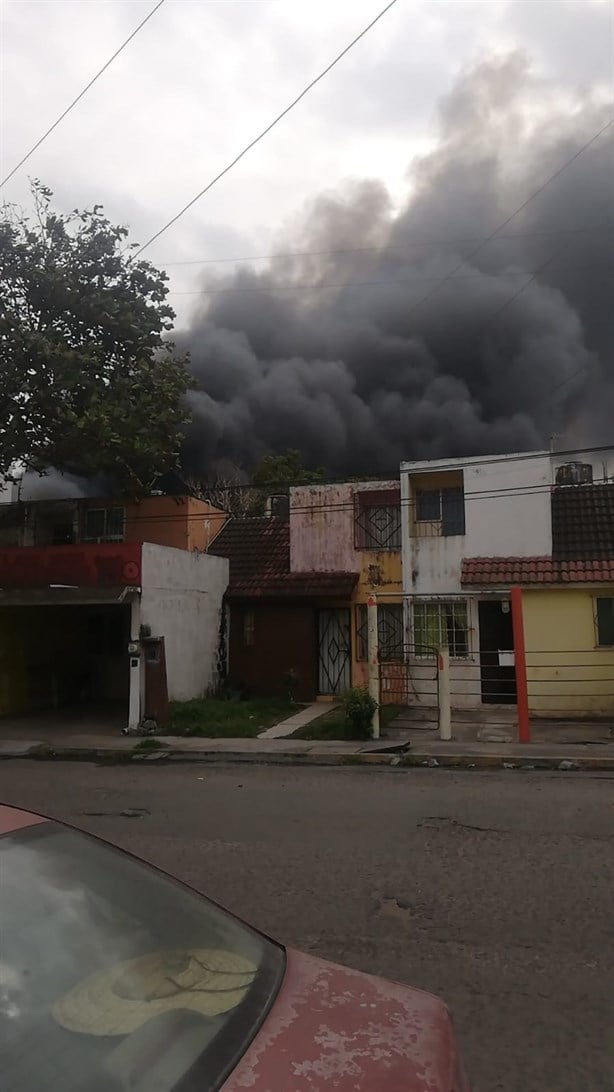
{"points": [[475, 528], [105, 603], [272, 612], [353, 527]]}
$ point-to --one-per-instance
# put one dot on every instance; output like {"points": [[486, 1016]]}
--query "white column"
{"points": [[443, 693], [135, 661], [373, 657]]}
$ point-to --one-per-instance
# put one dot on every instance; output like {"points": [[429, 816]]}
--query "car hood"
{"points": [[335, 1028]]}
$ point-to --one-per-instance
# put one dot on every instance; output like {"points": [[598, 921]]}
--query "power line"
{"points": [[268, 128], [425, 244], [415, 466], [81, 93], [309, 286]]}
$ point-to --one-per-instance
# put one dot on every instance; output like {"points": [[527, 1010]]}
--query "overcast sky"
{"points": [[204, 76]]}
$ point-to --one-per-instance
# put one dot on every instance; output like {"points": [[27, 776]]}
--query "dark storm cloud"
{"points": [[360, 376]]}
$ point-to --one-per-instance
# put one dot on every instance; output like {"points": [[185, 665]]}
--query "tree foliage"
{"points": [[278, 472], [90, 384]]}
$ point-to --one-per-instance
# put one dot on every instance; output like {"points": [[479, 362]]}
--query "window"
{"points": [[103, 525], [443, 506], [249, 628], [438, 623], [101, 952], [377, 520], [605, 621], [389, 632]]}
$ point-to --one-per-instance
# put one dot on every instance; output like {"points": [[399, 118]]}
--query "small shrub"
{"points": [[359, 708]]}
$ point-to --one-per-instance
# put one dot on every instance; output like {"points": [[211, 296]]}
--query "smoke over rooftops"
{"points": [[358, 376]]}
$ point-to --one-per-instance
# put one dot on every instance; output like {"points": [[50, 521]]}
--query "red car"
{"points": [[116, 978]]}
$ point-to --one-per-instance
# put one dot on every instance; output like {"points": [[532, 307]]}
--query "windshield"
{"points": [[114, 978]]}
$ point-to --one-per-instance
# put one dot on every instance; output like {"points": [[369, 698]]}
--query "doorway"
{"points": [[334, 661], [498, 680]]}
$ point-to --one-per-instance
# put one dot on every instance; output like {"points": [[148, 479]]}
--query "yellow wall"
{"points": [[567, 674], [380, 574]]}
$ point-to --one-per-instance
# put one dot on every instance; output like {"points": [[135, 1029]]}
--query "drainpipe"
{"points": [[373, 656], [520, 667]]}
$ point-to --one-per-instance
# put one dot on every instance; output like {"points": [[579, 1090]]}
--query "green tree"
{"points": [[90, 385], [278, 472]]}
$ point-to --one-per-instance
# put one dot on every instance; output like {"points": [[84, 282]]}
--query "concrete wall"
{"points": [[181, 600], [284, 639], [567, 674], [507, 514], [184, 523]]}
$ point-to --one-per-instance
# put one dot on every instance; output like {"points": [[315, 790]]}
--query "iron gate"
{"points": [[334, 674]]}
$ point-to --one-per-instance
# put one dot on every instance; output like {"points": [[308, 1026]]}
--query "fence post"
{"points": [[520, 667], [373, 657], [443, 694]]}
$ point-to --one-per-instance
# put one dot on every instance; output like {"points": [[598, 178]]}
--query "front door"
{"points": [[333, 651], [498, 680]]}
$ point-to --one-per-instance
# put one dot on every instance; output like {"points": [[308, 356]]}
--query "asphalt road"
{"points": [[495, 890]]}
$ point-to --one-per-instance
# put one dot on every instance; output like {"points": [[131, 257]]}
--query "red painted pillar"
{"points": [[520, 664]]}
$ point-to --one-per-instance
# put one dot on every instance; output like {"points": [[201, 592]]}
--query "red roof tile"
{"points": [[534, 570], [259, 553]]}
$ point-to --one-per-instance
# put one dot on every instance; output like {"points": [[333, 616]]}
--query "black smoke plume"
{"points": [[514, 347]]}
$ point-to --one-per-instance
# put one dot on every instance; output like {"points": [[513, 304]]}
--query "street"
{"points": [[493, 889]]}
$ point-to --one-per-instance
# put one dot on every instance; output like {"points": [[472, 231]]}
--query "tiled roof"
{"points": [[259, 553], [583, 522], [257, 548], [534, 570]]}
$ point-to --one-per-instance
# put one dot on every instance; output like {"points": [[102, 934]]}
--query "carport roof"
{"points": [[61, 596]]}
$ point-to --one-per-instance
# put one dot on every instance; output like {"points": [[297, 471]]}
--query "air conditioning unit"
{"points": [[574, 474]]}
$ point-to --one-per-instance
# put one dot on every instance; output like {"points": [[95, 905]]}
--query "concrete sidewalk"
{"points": [[95, 748]]}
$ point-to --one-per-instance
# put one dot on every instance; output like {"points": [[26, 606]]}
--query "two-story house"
{"points": [[107, 604], [299, 586], [475, 528]]}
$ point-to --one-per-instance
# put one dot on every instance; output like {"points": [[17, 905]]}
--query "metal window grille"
{"points": [[378, 527], [438, 623], [104, 525], [389, 632], [444, 508]]}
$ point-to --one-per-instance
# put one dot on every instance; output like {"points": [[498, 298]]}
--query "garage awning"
{"points": [[64, 595]]}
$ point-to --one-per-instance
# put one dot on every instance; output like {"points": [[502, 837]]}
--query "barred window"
{"points": [[389, 631], [438, 623], [103, 525], [377, 519], [443, 506]]}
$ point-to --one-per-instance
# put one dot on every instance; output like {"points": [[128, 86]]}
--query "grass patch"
{"points": [[333, 725], [149, 744], [217, 718]]}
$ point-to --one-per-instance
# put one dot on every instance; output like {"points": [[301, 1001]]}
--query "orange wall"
{"points": [[183, 522]]}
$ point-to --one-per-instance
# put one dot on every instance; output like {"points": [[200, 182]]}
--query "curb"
{"points": [[413, 759]]}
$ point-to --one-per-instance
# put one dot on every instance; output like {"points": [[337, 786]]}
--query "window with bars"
{"points": [[445, 507], [103, 525], [377, 519], [249, 628], [389, 631], [604, 614], [438, 623]]}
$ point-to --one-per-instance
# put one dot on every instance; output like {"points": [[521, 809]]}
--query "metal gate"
{"points": [[409, 677], [333, 651]]}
